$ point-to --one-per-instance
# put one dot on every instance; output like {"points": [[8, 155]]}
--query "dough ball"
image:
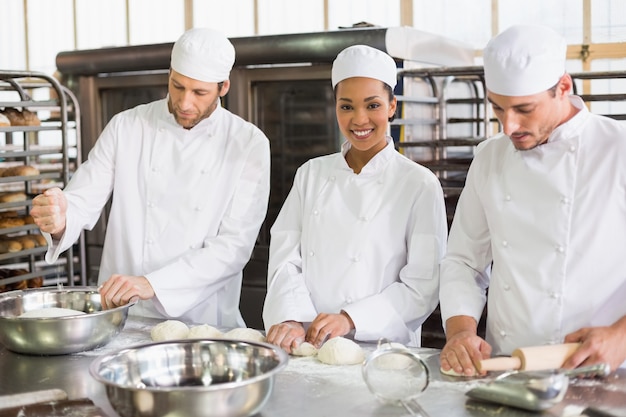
{"points": [[169, 330], [245, 334], [305, 349], [204, 331], [340, 351], [51, 312]]}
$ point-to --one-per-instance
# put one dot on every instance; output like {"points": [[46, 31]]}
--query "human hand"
{"points": [[598, 345], [49, 210], [121, 289], [463, 352], [326, 326], [288, 335]]}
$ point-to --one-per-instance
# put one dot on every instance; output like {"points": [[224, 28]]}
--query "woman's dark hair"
{"points": [[389, 90]]}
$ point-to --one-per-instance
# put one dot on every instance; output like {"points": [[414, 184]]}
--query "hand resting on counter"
{"points": [[599, 345], [290, 334]]}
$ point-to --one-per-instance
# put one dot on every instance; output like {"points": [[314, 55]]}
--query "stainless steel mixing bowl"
{"points": [[58, 335], [208, 378]]}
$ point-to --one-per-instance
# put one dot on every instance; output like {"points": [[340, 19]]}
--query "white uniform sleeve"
{"points": [[287, 295], [465, 268], [88, 191]]}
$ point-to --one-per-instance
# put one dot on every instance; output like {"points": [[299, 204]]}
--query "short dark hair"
{"points": [[552, 90]]}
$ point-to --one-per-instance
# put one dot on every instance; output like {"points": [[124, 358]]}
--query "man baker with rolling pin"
{"points": [[541, 221]]}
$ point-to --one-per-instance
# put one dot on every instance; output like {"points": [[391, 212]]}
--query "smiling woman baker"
{"points": [[357, 244]]}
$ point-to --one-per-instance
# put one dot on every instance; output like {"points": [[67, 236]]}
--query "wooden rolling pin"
{"points": [[533, 358]]}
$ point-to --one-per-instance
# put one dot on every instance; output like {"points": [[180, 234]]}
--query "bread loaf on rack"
{"points": [[27, 241], [20, 171], [4, 121], [8, 222], [21, 118], [10, 246], [10, 197], [35, 282]]}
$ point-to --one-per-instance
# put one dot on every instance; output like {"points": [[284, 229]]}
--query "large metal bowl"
{"points": [[58, 335], [207, 378]]}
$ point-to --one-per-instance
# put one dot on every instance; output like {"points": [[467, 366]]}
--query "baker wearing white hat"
{"points": [[191, 184], [355, 248], [201, 61], [538, 218]]}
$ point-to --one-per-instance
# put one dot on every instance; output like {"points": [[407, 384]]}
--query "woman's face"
{"points": [[363, 110]]}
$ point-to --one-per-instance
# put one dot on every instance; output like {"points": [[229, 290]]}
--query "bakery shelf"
{"points": [[53, 175], [27, 252], [25, 228], [11, 129], [50, 143]]}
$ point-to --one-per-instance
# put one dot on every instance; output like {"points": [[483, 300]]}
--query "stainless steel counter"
{"points": [[306, 387]]}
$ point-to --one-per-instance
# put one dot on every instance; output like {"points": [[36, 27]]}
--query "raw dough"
{"points": [[245, 334], [304, 349], [51, 312], [396, 359], [452, 372], [204, 331], [169, 330], [340, 351]]}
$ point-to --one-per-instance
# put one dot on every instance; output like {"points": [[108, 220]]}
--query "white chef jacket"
{"points": [[368, 244], [186, 209], [553, 222]]}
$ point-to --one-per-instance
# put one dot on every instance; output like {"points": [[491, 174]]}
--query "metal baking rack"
{"points": [[53, 148]]}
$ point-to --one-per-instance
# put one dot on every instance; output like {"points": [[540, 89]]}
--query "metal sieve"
{"points": [[396, 376]]}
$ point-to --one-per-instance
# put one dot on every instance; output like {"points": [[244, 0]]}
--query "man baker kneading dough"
{"points": [[190, 185]]}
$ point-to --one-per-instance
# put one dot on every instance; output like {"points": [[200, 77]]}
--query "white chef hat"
{"points": [[204, 55], [364, 61], [524, 60]]}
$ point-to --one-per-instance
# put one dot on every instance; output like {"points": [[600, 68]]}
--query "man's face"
{"points": [[190, 100], [529, 120]]}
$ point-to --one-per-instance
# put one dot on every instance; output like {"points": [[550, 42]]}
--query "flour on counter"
{"points": [[134, 333]]}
